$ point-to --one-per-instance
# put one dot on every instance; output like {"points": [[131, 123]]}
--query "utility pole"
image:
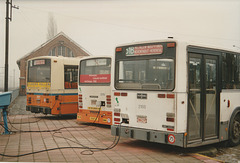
{"points": [[13, 78], [1, 79], [9, 7]]}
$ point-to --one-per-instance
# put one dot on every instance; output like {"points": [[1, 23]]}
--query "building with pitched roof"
{"points": [[59, 45]]}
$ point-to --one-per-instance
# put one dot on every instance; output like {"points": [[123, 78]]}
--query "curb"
{"points": [[206, 158]]}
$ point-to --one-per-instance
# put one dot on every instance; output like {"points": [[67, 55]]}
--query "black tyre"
{"points": [[234, 130]]}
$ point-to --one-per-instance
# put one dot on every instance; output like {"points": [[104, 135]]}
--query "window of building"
{"points": [[70, 77], [69, 53], [61, 50], [52, 52]]}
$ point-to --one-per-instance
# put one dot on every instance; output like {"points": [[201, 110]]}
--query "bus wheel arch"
{"points": [[234, 128]]}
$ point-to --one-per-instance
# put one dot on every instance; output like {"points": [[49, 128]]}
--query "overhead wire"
{"points": [[28, 20], [133, 27]]}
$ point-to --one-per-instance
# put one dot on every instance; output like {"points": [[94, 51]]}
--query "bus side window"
{"points": [[231, 71], [70, 77]]}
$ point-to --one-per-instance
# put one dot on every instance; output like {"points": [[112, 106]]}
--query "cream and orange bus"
{"points": [[177, 93], [52, 85], [95, 90]]}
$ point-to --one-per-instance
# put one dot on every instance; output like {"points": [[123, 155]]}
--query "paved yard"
{"points": [[71, 143], [63, 139]]}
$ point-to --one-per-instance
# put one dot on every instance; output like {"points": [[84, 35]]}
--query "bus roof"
{"points": [[66, 60], [98, 56], [187, 43]]}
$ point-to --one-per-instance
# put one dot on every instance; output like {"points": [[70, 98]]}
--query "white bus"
{"points": [[95, 90], [52, 85], [176, 93]]}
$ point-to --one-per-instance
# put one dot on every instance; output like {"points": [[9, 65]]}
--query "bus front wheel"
{"points": [[234, 138]]}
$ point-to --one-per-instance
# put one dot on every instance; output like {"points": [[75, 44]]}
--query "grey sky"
{"points": [[100, 25]]}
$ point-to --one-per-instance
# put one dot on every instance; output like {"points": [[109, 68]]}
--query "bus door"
{"points": [[203, 98]]}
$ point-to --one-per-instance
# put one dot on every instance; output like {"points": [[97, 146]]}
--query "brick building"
{"points": [[59, 45]]}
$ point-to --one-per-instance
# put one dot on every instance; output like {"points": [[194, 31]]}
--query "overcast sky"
{"points": [[100, 25]]}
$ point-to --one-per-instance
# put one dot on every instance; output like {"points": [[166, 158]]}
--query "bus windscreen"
{"points": [[39, 70], [95, 71]]}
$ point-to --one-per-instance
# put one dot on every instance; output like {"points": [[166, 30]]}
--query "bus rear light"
{"points": [[80, 100], [170, 96], [170, 45], [117, 119], [118, 49], [116, 123], [170, 119], [117, 114], [109, 101], [120, 94], [170, 129], [116, 93], [124, 94], [80, 107], [161, 95], [228, 103]]}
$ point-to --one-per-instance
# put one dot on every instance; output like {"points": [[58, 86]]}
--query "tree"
{"points": [[52, 26]]}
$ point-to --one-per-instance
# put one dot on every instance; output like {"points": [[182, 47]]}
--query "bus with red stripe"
{"points": [[94, 90]]}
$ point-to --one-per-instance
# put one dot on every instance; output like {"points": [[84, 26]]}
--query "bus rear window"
{"points": [[95, 71], [39, 70], [146, 74]]}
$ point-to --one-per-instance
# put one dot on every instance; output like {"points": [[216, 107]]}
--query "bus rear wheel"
{"points": [[235, 131]]}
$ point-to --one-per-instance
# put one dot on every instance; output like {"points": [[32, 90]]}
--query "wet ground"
{"points": [[229, 154], [71, 142]]}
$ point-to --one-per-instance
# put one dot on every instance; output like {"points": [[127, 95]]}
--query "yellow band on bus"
{"points": [[38, 84], [94, 108]]}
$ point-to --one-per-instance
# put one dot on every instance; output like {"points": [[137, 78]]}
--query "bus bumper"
{"points": [[176, 139], [37, 109]]}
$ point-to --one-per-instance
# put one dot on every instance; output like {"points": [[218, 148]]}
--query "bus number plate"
{"points": [[141, 96], [141, 119]]}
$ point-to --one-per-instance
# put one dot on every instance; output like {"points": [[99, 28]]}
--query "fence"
{"points": [[15, 94]]}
